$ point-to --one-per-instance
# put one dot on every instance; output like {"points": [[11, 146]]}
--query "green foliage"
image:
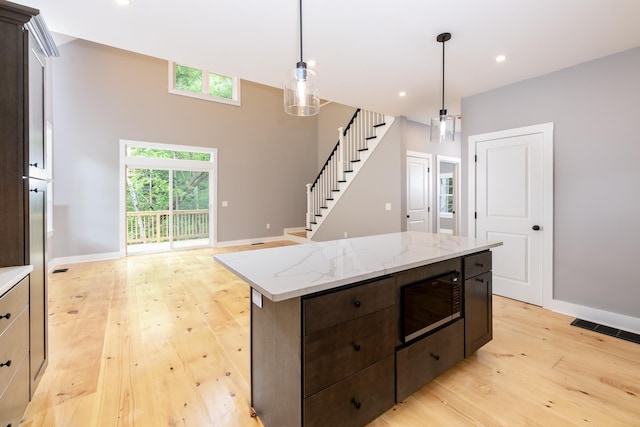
{"points": [[148, 189], [188, 79], [220, 86]]}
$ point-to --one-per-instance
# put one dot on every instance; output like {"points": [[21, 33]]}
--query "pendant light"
{"points": [[443, 127], [301, 87]]}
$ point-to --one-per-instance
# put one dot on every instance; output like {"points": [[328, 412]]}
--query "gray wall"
{"points": [[102, 95], [361, 210], [415, 137], [595, 108]]}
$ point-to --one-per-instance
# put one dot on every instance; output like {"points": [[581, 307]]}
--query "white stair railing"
{"points": [[352, 142]]}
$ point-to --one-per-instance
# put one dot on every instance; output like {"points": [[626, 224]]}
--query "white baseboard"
{"points": [[607, 318], [255, 241], [82, 258]]}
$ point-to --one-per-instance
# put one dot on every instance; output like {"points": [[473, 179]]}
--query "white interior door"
{"points": [[418, 193], [511, 187]]}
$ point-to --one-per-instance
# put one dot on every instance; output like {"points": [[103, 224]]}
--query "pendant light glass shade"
{"points": [[301, 92], [443, 128]]}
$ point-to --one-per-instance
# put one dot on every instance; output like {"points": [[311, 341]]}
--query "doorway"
{"points": [[418, 192], [169, 195], [511, 200], [447, 195]]}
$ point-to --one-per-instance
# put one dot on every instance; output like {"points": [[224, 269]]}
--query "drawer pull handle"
{"points": [[357, 303], [356, 347], [6, 316], [479, 264], [355, 403], [479, 280], [7, 364], [435, 356]]}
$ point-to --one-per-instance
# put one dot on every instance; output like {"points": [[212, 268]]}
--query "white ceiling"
{"points": [[367, 51]]}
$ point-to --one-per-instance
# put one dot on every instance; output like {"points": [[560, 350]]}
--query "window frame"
{"points": [[235, 100], [448, 195]]}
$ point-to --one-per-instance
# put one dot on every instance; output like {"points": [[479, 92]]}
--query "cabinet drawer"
{"points": [[422, 361], [15, 399], [13, 302], [14, 347], [335, 353], [331, 309], [354, 401], [477, 264]]}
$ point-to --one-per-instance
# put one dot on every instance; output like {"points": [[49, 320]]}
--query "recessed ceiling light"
{"points": [[311, 63], [402, 93], [501, 58], [123, 2]]}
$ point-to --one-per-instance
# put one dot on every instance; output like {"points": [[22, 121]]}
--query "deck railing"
{"points": [[153, 226]]}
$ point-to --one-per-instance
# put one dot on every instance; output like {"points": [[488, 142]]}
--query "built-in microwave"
{"points": [[429, 304]]}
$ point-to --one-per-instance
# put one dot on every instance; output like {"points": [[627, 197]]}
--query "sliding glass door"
{"points": [[168, 198]]}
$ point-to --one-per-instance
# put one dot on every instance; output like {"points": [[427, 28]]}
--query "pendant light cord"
{"points": [[442, 73], [301, 31]]}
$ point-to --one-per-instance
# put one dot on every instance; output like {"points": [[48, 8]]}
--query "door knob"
{"points": [[535, 228]]}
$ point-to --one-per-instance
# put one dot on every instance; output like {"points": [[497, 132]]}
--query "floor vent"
{"points": [[60, 270], [613, 332]]}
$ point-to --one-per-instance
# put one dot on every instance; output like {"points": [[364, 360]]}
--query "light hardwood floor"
{"points": [[163, 340]]}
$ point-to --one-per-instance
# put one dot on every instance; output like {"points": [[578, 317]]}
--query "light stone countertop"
{"points": [[292, 271], [9, 276]]}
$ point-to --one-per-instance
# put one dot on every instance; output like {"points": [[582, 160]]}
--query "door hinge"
{"points": [[428, 170], [475, 215], [475, 158], [429, 209]]}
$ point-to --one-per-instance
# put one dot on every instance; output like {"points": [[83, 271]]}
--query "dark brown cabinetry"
{"points": [[338, 358], [424, 360], [477, 301], [348, 365], [14, 353], [23, 170]]}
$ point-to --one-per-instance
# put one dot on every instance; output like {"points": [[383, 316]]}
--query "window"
{"points": [[203, 84], [446, 195]]}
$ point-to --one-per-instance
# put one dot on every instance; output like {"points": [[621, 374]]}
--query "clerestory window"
{"points": [[203, 84]]}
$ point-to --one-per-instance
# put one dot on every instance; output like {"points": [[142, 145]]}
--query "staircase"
{"points": [[355, 144]]}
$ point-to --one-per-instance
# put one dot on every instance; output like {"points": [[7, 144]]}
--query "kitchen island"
{"points": [[326, 323]]}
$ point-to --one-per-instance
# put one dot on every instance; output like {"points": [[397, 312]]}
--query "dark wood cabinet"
{"points": [[24, 39], [13, 45], [14, 353], [38, 336], [478, 306], [355, 401], [422, 361], [337, 357]]}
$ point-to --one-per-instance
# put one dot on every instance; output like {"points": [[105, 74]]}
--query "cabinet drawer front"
{"points": [[422, 361], [335, 353], [337, 307], [12, 303], [477, 264], [15, 398], [354, 401], [14, 347]]}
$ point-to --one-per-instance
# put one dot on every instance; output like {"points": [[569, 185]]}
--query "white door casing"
{"points": [[418, 192], [511, 192]]}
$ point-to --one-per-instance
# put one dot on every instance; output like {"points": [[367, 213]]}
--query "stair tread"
{"points": [[378, 125], [370, 137], [363, 149]]}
